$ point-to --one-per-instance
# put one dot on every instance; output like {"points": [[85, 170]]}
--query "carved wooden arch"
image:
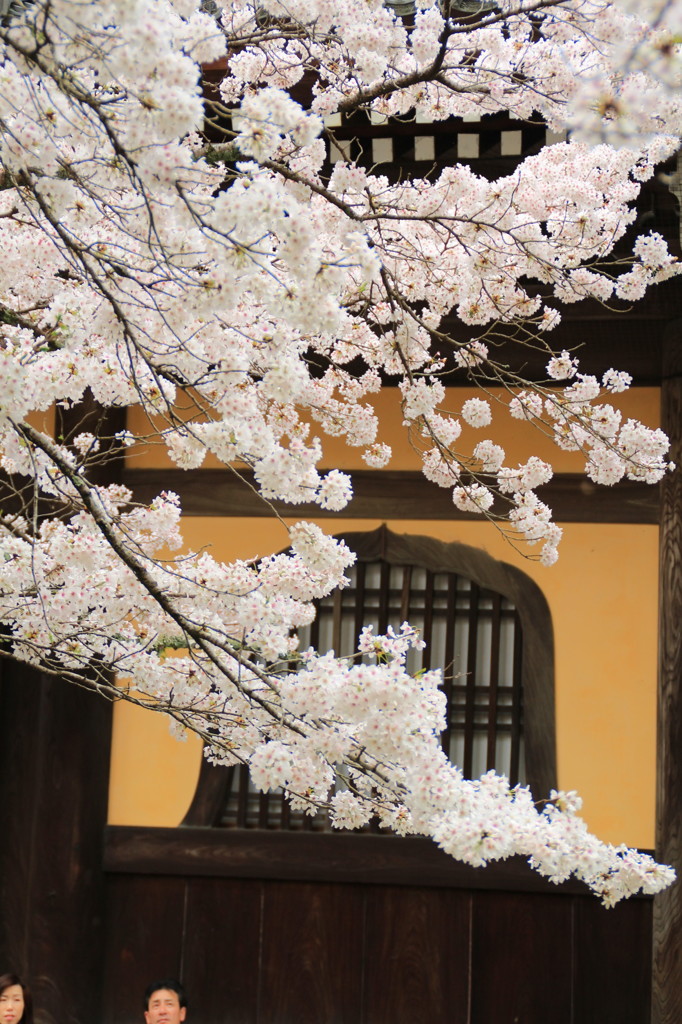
{"points": [[537, 671]]}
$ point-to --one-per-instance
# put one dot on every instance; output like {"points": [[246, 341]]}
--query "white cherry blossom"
{"points": [[200, 261]]}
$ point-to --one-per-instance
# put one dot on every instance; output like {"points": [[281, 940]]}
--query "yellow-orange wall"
{"points": [[603, 598]]}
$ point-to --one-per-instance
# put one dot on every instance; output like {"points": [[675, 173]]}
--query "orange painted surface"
{"points": [[519, 438], [43, 420], [153, 775], [603, 597]]}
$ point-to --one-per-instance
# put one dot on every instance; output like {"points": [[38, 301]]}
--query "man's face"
{"points": [[164, 1008]]}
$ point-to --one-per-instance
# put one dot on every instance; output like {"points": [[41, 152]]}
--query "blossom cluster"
{"points": [[218, 258]]}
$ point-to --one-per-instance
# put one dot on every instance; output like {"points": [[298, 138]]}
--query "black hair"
{"points": [[6, 981], [171, 984]]}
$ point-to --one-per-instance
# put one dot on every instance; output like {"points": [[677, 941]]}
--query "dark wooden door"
{"points": [[257, 951]]}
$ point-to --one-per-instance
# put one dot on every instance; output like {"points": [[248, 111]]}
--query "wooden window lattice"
{"points": [[473, 634]]}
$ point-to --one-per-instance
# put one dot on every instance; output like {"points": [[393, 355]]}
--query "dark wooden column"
{"points": [[667, 941], [54, 770], [55, 741]]}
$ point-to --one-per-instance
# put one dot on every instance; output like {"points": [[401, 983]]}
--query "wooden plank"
{"points": [[519, 714], [392, 495], [470, 682], [361, 573], [341, 857], [243, 796], [521, 959], [427, 627], [385, 573], [210, 795], [449, 655], [221, 950], [145, 932], [612, 962], [667, 949], [312, 954], [54, 772], [253, 952], [491, 746], [417, 959], [336, 620], [54, 767], [21, 771]]}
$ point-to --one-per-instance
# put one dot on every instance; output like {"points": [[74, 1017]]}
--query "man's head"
{"points": [[165, 1002]]}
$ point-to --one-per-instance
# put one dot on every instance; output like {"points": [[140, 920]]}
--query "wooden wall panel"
{"points": [[54, 764], [612, 962], [221, 953], [667, 942], [21, 771], [521, 959], [145, 940], [311, 954], [276, 952], [417, 956]]}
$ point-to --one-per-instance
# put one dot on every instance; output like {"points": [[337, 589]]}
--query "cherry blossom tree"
{"points": [[205, 261]]}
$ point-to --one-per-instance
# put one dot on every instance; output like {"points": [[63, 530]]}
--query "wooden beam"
{"points": [[667, 938], [389, 494], [311, 857]]}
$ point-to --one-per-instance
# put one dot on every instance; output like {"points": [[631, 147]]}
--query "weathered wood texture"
{"points": [[523, 950], [390, 494], [264, 950], [54, 774], [417, 951], [144, 937], [308, 856], [607, 946], [54, 767], [667, 945]]}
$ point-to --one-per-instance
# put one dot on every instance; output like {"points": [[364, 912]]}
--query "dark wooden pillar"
{"points": [[54, 771], [55, 741], [667, 940]]}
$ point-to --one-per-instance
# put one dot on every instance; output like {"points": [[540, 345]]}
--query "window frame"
{"points": [[537, 660]]}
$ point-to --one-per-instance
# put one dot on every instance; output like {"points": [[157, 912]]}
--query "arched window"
{"points": [[485, 624]]}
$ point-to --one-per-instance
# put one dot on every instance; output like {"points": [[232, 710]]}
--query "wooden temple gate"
{"points": [[289, 927]]}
